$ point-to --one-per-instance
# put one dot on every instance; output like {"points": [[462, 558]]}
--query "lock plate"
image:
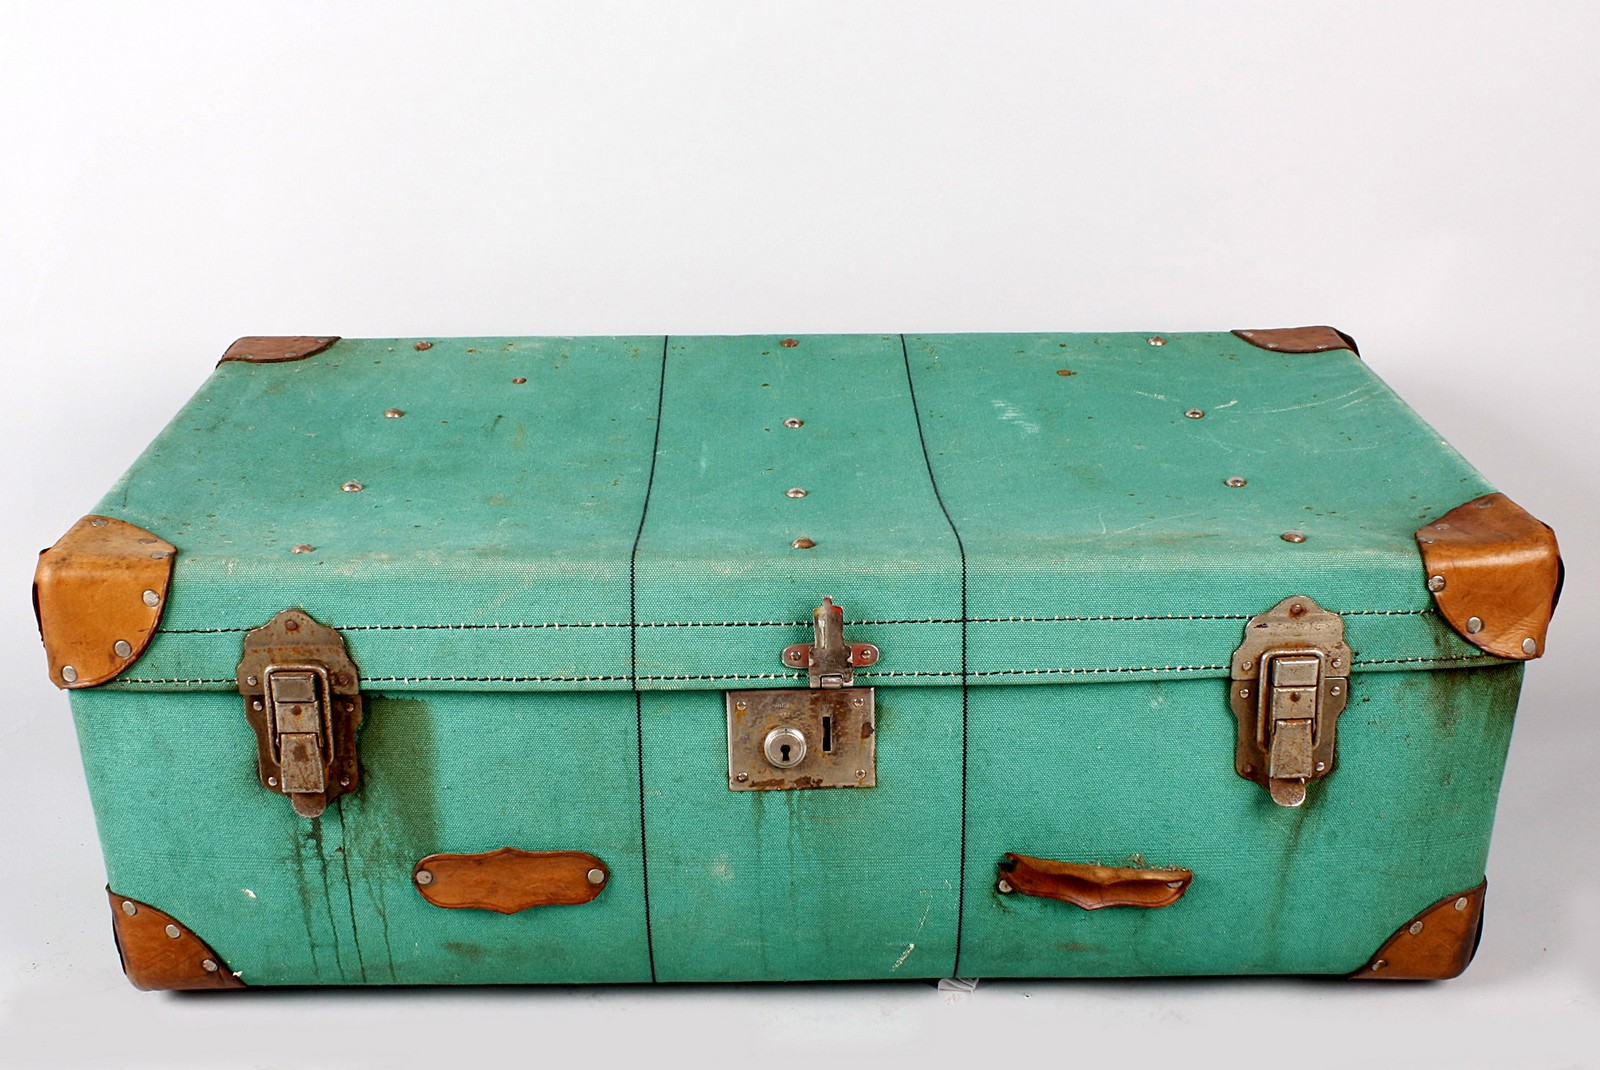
{"points": [[1290, 681], [829, 733]]}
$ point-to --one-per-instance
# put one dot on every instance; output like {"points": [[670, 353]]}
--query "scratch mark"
{"points": [[1229, 405], [1009, 414], [1312, 404], [1158, 397], [1154, 520], [248, 892], [901, 961]]}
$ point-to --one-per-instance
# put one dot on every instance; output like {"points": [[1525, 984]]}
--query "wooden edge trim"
{"points": [[1092, 887], [1433, 946], [160, 953], [1495, 572], [510, 879], [1300, 339], [99, 593], [274, 349]]}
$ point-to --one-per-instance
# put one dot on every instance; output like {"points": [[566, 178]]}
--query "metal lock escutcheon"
{"points": [[823, 736], [302, 696], [1289, 683]]}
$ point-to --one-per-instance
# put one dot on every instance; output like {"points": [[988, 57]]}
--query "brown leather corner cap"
{"points": [[265, 349], [99, 593], [1495, 573], [160, 953], [1436, 945], [1300, 339]]}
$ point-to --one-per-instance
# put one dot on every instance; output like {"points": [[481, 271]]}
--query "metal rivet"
{"points": [[272, 781], [789, 343], [1338, 663], [251, 680], [1297, 609], [160, 555], [1065, 371], [1004, 888], [352, 487], [1416, 927], [1292, 536], [1174, 884], [421, 346], [1236, 481], [394, 414], [1335, 690], [861, 774], [803, 543], [1485, 503], [519, 380], [1474, 625], [1380, 964], [152, 599], [123, 648], [596, 876], [1424, 540], [344, 782], [1156, 340], [858, 702], [1248, 768], [1461, 904], [1435, 584], [796, 492], [69, 674], [291, 625], [1322, 767], [424, 877], [129, 908], [208, 965], [1244, 692], [98, 522], [1194, 414], [302, 548], [741, 777], [794, 421], [1530, 646], [741, 705], [173, 932]]}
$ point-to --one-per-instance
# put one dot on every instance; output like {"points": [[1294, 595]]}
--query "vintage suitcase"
{"points": [[749, 658]]}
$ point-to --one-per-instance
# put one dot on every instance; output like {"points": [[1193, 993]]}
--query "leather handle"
{"points": [[1092, 887], [510, 879]]}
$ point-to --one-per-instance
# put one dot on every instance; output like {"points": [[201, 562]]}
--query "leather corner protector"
{"points": [[99, 593], [161, 953], [510, 880], [1300, 339], [272, 349], [1495, 572], [1436, 945]]}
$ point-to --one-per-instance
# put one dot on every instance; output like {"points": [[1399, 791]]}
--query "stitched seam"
{"points": [[961, 549], [558, 625]]}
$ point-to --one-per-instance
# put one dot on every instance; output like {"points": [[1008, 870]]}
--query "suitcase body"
{"points": [[753, 658]]}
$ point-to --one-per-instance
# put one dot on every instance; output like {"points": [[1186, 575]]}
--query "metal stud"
{"points": [[69, 674], [1244, 692], [173, 932], [1194, 414], [98, 522], [803, 543], [1236, 481], [421, 346], [794, 421], [1530, 645], [129, 907], [1416, 927], [1380, 964], [1461, 904], [861, 774], [1435, 584], [1156, 340], [519, 380], [1004, 887], [1474, 625], [596, 876], [424, 877], [789, 343], [302, 548], [796, 492], [122, 648], [1174, 884], [1292, 536], [272, 781], [1322, 767], [352, 487], [209, 965], [394, 414], [152, 599], [741, 777]]}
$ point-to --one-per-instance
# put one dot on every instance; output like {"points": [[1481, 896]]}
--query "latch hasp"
{"points": [[302, 695], [1289, 683]]}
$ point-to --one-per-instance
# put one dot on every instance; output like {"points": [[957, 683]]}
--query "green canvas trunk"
{"points": [[562, 568]]}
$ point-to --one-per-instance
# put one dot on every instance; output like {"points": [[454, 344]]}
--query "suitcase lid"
{"points": [[609, 513]]}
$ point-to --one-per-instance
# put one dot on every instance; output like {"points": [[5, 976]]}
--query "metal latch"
{"points": [[1290, 681], [302, 696], [819, 737]]}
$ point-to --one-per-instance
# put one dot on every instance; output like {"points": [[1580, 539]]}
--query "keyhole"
{"points": [[785, 747]]}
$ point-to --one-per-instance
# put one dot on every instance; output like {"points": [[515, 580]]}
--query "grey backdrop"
{"points": [[1421, 175]]}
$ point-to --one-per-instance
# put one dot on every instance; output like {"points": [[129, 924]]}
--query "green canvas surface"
{"points": [[567, 550]]}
